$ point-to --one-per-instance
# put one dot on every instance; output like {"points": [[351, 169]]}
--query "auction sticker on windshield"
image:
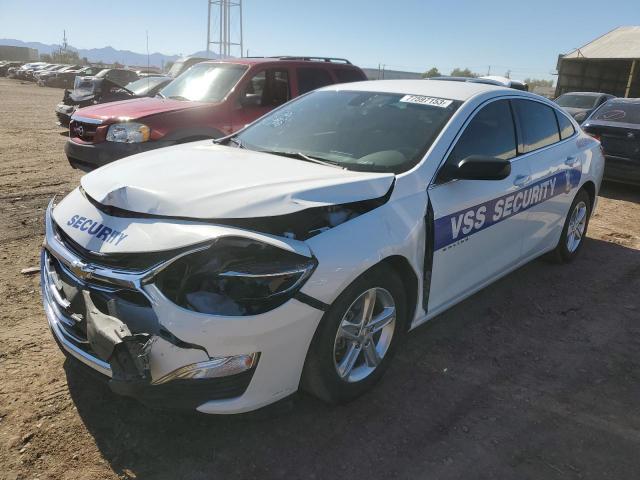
{"points": [[433, 101]]}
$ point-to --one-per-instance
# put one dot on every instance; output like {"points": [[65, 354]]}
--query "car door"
{"points": [[554, 163], [478, 231], [261, 93]]}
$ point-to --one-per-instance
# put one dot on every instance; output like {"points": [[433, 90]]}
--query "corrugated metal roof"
{"points": [[623, 42]]}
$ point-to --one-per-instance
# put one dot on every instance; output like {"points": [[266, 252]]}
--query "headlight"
{"points": [[129, 132], [235, 276]]}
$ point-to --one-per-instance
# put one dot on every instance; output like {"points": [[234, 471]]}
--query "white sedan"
{"points": [[225, 275]]}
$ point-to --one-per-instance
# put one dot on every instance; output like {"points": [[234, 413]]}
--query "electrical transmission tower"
{"points": [[226, 16]]}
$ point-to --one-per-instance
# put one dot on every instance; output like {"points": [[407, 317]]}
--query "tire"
{"points": [[328, 351], [567, 250]]}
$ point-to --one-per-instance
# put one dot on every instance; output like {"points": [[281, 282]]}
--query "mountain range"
{"points": [[106, 54]]}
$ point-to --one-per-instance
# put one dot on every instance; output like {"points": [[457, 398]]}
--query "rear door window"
{"points": [[537, 123], [566, 127], [312, 78]]}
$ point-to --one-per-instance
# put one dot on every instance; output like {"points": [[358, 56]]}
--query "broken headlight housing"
{"points": [[129, 132], [235, 276]]}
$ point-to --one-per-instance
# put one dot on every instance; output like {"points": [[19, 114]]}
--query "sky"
{"points": [[414, 35]]}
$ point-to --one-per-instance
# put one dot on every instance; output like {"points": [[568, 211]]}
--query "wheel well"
{"points": [[409, 279], [590, 188]]}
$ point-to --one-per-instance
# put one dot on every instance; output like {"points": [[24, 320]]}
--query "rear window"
{"points": [[613, 111], [566, 127], [569, 100], [312, 78], [346, 75], [538, 126]]}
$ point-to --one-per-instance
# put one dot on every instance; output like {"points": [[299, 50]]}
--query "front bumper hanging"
{"points": [[103, 319]]}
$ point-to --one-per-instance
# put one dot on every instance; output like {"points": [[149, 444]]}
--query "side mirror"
{"points": [[480, 167]]}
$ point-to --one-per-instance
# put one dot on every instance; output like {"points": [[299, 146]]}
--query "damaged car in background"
{"points": [[209, 100], [108, 85], [66, 79], [225, 275]]}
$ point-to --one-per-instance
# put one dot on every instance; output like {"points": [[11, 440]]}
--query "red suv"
{"points": [[210, 100]]}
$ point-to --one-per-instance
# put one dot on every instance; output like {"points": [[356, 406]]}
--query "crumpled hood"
{"points": [[137, 108], [202, 180]]}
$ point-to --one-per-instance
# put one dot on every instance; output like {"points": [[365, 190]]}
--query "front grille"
{"points": [[130, 306], [84, 131]]}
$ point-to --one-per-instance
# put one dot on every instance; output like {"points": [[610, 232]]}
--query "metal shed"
{"points": [[607, 64]]}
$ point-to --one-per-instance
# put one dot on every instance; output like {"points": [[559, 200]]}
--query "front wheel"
{"points": [[357, 337], [575, 228]]}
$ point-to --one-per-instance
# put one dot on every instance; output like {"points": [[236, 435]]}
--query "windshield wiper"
{"points": [[305, 157], [236, 141], [226, 140], [178, 97]]}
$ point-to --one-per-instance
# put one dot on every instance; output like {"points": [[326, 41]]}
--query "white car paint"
{"points": [[203, 181], [218, 182]]}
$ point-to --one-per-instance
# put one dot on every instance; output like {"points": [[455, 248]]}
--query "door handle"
{"points": [[571, 161], [521, 180]]}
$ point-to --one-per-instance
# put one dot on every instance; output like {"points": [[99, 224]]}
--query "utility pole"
{"points": [[227, 14]]}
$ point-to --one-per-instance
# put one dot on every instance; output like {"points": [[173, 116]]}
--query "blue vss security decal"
{"points": [[460, 225], [98, 230]]}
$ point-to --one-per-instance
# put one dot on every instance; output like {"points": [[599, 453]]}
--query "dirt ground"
{"points": [[537, 376]]}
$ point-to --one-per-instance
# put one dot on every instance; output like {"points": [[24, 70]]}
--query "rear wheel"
{"points": [[357, 337], [575, 228]]}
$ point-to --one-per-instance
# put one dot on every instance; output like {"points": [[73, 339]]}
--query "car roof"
{"points": [[586, 94], [298, 60], [450, 90]]}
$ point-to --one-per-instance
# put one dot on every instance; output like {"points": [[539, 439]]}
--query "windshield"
{"points": [[576, 101], [206, 82], [620, 112], [142, 86], [368, 131]]}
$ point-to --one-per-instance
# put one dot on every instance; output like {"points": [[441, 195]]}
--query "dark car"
{"points": [[4, 68], [209, 100], [109, 92], [580, 104], [43, 78], [67, 78], [617, 125], [93, 84]]}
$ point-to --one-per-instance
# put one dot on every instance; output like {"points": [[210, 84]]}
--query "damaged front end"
{"points": [[102, 317]]}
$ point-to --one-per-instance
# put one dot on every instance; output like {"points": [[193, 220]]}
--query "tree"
{"points": [[538, 82], [458, 72], [432, 72], [61, 56]]}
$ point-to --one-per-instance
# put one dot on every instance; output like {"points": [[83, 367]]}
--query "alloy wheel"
{"points": [[364, 335], [576, 227]]}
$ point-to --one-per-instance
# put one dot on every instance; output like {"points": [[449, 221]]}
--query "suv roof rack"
{"points": [[309, 59]]}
